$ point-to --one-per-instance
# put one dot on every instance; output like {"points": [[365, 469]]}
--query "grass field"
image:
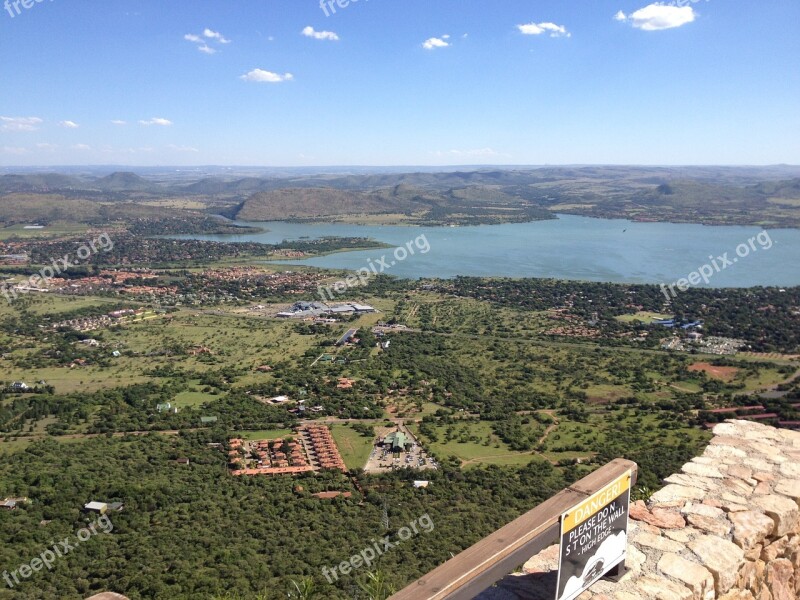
{"points": [[501, 344], [353, 447], [605, 393], [766, 378], [78, 379], [52, 230], [20, 443], [54, 304], [11, 446], [191, 398], [643, 316], [574, 439], [237, 341], [266, 434], [473, 453]]}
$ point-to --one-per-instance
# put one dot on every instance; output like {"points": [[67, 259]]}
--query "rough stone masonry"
{"points": [[726, 527]]}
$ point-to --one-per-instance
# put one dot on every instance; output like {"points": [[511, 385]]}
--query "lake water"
{"points": [[571, 247]]}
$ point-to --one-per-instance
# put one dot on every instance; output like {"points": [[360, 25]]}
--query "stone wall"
{"points": [[726, 527]]}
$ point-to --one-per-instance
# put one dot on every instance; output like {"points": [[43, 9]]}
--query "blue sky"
{"points": [[505, 82]]}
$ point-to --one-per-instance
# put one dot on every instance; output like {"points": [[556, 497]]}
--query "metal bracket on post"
{"points": [[615, 574]]}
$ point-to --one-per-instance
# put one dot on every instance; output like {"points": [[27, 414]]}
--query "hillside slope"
{"points": [[304, 203]]}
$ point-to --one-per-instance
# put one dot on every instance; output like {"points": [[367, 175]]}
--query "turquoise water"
{"points": [[571, 247]]}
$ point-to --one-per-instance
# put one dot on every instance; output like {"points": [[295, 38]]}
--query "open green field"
{"points": [[604, 393], [428, 310], [50, 304], [644, 317], [264, 434], [428, 408], [192, 398], [14, 445], [573, 439], [66, 380], [764, 379], [151, 343], [353, 447], [49, 231], [745, 381], [231, 340], [20, 443], [471, 446]]}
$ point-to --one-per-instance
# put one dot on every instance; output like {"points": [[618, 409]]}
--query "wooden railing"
{"points": [[480, 566]]}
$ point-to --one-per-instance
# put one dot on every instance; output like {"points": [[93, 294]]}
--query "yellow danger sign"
{"points": [[596, 502]]}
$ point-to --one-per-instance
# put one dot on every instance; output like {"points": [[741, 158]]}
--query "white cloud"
{"points": [[656, 17], [182, 148], [320, 35], [475, 152], [469, 153], [20, 123], [435, 42], [156, 121], [262, 76], [209, 36], [82, 147], [69, 124], [118, 122], [16, 151], [540, 28], [215, 35], [46, 146]]}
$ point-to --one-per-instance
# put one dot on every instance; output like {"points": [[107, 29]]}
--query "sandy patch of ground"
{"points": [[721, 373]]}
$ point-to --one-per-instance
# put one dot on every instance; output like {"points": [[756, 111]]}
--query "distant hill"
{"points": [[44, 182], [770, 204], [462, 206], [126, 182], [780, 189], [57, 183], [306, 203], [19, 208], [45, 209], [212, 186], [766, 196]]}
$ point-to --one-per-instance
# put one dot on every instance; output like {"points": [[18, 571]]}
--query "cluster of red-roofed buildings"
{"points": [[324, 447], [313, 450]]}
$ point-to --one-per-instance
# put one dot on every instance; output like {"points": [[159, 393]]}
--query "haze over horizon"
{"points": [[616, 82]]}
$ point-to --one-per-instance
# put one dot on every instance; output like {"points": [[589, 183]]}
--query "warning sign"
{"points": [[594, 536]]}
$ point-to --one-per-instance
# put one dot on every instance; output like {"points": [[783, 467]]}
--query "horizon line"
{"points": [[405, 166]]}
